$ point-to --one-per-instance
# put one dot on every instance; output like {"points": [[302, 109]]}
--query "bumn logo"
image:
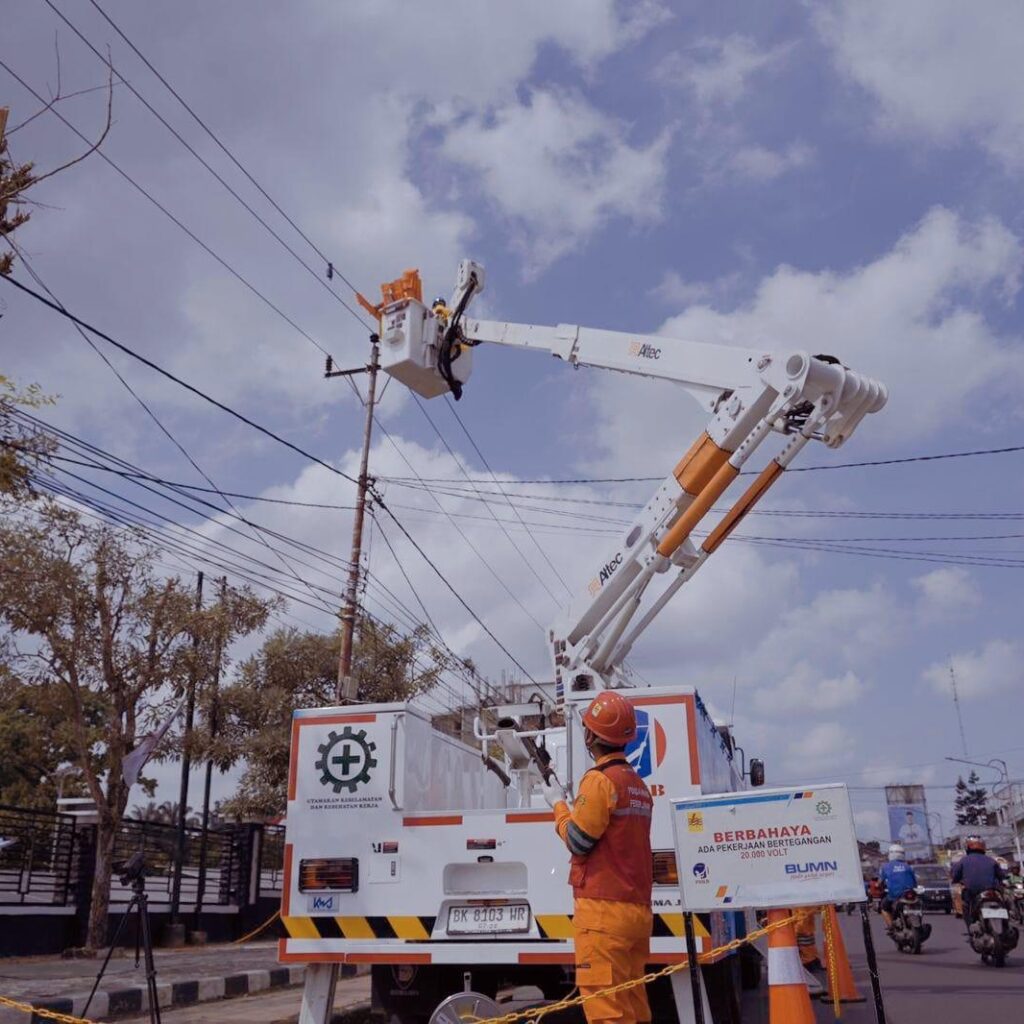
{"points": [[813, 867], [346, 759]]}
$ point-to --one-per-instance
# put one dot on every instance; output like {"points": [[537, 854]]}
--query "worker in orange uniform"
{"points": [[608, 833]]}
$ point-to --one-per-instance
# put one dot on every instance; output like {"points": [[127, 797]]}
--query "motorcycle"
{"points": [[991, 933], [1016, 894], [909, 928]]}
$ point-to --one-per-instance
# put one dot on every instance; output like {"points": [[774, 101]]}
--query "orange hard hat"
{"points": [[611, 718]]}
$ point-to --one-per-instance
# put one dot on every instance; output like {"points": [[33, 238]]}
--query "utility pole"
{"points": [[175, 927], [346, 685], [214, 725]]}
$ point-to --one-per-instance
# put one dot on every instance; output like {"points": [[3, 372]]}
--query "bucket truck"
{"points": [[405, 849]]}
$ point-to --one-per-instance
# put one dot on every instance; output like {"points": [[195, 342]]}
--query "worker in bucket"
{"points": [[608, 833]]}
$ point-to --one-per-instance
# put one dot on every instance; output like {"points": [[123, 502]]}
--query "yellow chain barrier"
{"points": [[537, 1013], [61, 1018], [266, 924], [830, 962]]}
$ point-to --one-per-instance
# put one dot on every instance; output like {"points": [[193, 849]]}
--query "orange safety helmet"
{"points": [[611, 718]]}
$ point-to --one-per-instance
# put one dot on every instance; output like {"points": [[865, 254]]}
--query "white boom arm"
{"points": [[750, 394]]}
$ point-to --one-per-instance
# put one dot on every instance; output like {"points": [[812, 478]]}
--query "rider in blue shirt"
{"points": [[976, 872], [897, 878]]}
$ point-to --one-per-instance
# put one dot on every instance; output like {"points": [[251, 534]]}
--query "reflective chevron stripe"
{"points": [[398, 927], [419, 929]]}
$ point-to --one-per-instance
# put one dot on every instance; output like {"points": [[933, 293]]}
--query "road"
{"points": [[946, 984]]}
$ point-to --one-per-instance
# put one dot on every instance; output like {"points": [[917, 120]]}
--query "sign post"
{"points": [[773, 848], [766, 850]]}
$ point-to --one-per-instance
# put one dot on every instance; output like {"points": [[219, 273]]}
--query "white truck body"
{"points": [[450, 866]]}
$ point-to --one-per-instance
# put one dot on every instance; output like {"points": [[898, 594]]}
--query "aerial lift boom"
{"points": [[749, 393]]}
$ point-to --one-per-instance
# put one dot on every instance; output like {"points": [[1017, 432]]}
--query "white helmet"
{"points": [[896, 852]]}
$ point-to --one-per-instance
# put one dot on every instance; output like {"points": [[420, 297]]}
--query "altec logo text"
{"points": [[643, 350], [812, 867], [606, 573]]}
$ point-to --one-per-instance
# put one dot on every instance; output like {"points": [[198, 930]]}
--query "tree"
{"points": [[296, 669], [23, 446], [17, 178], [90, 621], [971, 803]]}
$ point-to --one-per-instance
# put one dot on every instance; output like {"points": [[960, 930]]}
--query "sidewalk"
{"points": [[184, 976]]}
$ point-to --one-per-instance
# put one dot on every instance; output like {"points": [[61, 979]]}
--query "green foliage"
{"points": [[22, 446], [296, 669], [971, 802]]}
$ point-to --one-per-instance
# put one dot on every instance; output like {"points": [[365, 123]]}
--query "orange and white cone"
{"points": [[844, 973], [788, 999]]}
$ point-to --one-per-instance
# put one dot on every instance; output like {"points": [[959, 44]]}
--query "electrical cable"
{"points": [[320, 280], [163, 209], [227, 152], [266, 431], [458, 463], [487, 466]]}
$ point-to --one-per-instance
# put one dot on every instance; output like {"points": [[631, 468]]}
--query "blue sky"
{"points": [[843, 177]]}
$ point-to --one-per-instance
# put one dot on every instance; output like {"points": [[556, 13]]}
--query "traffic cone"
{"points": [[844, 973], [788, 1000]]}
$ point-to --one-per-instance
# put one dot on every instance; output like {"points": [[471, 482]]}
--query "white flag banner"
{"points": [[132, 764]]}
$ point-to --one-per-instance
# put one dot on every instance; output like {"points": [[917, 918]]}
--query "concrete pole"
{"points": [[346, 685]]}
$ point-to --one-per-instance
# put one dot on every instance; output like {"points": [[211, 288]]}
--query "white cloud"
{"points": [[992, 669], [761, 164], [940, 69], [675, 290], [805, 690], [947, 591], [891, 773], [909, 317], [560, 169], [719, 71], [871, 824], [821, 747]]}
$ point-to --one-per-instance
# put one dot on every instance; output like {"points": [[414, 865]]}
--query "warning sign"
{"points": [[773, 848]]}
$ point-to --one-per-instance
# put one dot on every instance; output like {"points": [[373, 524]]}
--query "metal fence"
{"points": [[37, 853], [48, 859]]}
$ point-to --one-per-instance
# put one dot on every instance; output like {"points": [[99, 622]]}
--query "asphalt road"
{"points": [[945, 984]]}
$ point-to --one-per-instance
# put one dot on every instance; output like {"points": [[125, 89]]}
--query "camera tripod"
{"points": [[143, 944]]}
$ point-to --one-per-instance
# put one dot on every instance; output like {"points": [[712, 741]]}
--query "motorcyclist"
{"points": [[897, 877], [974, 873]]}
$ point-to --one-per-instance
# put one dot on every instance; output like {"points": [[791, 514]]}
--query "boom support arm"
{"points": [[750, 394]]}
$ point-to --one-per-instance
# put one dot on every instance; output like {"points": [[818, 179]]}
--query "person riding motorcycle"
{"points": [[608, 833], [974, 873], [897, 877]]}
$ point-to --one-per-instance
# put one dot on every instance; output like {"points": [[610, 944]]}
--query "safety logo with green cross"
{"points": [[346, 759]]}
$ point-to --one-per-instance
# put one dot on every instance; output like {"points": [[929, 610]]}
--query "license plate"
{"points": [[481, 920], [999, 912]]}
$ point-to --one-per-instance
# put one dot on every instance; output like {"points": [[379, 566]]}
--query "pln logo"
{"points": [[700, 872], [694, 821], [647, 751]]}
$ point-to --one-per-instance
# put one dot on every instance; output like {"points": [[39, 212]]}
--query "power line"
{"points": [[266, 431], [473, 615], [209, 131], [152, 415], [457, 462], [198, 157], [793, 469], [487, 466], [163, 209]]}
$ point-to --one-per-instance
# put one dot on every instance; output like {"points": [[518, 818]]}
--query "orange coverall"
{"points": [[612, 936]]}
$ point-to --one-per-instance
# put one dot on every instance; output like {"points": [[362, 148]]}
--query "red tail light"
{"points": [[337, 874], [664, 862]]}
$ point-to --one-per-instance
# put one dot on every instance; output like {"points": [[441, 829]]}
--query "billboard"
{"points": [[775, 848], [908, 821]]}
